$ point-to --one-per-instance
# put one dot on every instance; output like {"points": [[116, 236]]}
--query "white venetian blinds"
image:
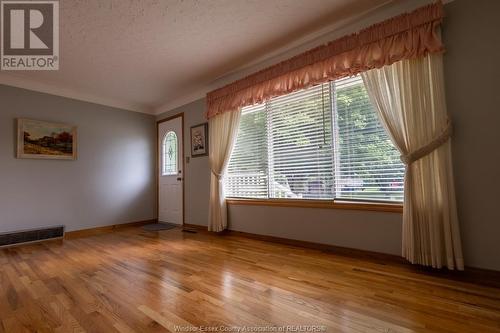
{"points": [[367, 165], [247, 174], [300, 144], [286, 148]]}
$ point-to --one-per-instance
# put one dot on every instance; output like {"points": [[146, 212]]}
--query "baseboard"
{"points": [[195, 227], [306, 244], [104, 229], [471, 274], [340, 250]]}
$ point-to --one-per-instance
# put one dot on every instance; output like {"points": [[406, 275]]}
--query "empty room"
{"points": [[234, 166]]}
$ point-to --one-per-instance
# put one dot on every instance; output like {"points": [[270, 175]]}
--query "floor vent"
{"points": [[29, 236]]}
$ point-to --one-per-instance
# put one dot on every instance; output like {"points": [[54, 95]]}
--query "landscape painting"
{"points": [[45, 140]]}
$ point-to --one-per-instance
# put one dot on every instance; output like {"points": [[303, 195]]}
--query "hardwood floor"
{"points": [[136, 281]]}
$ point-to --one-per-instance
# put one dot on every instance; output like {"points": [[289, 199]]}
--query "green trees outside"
{"points": [[364, 150]]}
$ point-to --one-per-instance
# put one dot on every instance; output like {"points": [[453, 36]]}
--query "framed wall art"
{"points": [[45, 140], [199, 140]]}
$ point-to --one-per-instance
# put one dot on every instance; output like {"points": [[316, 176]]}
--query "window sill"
{"points": [[328, 204]]}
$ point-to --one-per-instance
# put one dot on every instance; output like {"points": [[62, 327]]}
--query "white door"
{"points": [[170, 189]]}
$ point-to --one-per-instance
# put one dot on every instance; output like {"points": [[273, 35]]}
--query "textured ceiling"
{"points": [[141, 54]]}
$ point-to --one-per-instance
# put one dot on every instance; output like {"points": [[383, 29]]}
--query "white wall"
{"points": [[471, 35], [112, 181], [374, 231], [471, 70], [371, 231]]}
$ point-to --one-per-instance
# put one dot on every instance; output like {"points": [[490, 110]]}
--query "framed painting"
{"points": [[45, 140], [199, 140]]}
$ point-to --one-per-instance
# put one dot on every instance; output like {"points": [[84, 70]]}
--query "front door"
{"points": [[170, 189]]}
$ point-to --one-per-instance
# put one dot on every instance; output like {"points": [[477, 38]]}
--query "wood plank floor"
{"points": [[135, 281]]}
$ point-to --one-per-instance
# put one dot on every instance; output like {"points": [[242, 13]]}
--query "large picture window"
{"points": [[324, 142]]}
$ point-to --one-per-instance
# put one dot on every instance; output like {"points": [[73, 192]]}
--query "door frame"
{"points": [[157, 168]]}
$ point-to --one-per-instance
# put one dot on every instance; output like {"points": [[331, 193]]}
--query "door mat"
{"points": [[159, 226]]}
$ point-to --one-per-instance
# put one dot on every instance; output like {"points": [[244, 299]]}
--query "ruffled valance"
{"points": [[405, 36]]}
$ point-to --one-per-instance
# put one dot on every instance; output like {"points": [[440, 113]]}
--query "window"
{"points": [[325, 142], [170, 154]]}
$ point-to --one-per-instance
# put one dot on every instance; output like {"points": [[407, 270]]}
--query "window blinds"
{"points": [[300, 144], [367, 165], [324, 142], [247, 174]]}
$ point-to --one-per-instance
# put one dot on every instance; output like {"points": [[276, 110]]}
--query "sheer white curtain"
{"points": [[223, 130], [410, 99]]}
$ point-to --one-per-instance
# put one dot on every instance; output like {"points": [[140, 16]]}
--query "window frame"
{"points": [[378, 206], [334, 203]]}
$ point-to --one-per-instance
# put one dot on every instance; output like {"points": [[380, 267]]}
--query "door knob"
{"points": [[179, 179]]}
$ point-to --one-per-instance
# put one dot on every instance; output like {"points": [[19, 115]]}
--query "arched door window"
{"points": [[170, 151]]}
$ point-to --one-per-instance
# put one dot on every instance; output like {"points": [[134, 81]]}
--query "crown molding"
{"points": [[58, 90], [333, 31]]}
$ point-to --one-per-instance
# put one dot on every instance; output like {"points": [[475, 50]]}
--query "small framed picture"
{"points": [[45, 140], [199, 140]]}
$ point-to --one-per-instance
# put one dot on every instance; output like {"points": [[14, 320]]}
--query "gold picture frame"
{"points": [[38, 139]]}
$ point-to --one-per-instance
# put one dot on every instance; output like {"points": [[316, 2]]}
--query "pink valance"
{"points": [[405, 36]]}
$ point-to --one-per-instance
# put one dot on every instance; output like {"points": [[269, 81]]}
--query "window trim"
{"points": [[322, 204], [331, 203]]}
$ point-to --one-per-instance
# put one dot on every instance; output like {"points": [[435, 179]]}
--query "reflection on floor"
{"points": [[137, 281]]}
